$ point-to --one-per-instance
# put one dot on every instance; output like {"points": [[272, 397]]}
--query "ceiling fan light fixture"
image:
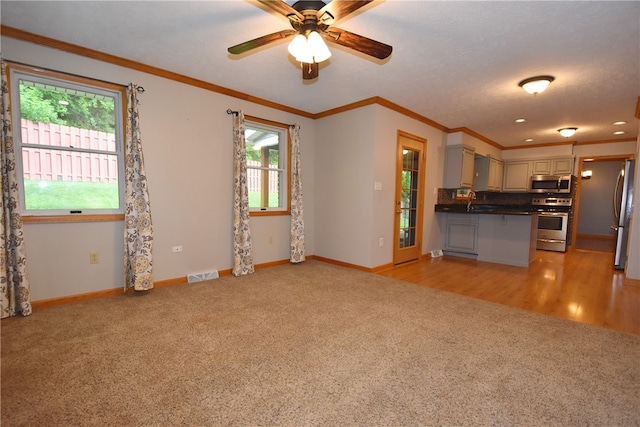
{"points": [[309, 49], [567, 132], [536, 85], [318, 47]]}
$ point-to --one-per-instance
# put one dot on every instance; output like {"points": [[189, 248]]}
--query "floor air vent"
{"points": [[201, 277]]}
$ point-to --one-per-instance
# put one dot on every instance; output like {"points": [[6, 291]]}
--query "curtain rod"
{"points": [[235, 113]]}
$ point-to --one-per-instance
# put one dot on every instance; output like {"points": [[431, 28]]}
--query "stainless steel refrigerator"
{"points": [[623, 206]]}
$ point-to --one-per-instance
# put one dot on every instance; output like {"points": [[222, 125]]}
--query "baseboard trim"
{"points": [[595, 236], [52, 302], [375, 270], [37, 305], [343, 264]]}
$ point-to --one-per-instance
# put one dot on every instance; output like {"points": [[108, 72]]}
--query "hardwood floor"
{"points": [[596, 243], [578, 285]]}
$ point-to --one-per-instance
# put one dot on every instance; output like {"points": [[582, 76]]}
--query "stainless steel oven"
{"points": [[553, 222], [552, 231]]}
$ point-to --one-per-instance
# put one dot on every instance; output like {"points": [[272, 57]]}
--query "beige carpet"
{"points": [[312, 344]]}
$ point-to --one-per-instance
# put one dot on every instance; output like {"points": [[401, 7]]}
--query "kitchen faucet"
{"points": [[471, 197]]}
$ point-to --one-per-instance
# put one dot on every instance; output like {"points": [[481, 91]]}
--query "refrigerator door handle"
{"points": [[615, 197]]}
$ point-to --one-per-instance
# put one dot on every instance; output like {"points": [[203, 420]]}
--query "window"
{"points": [[267, 167], [69, 143]]}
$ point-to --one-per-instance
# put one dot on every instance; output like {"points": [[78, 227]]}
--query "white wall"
{"points": [[481, 147], [537, 152], [350, 214], [633, 267], [344, 186], [187, 142]]}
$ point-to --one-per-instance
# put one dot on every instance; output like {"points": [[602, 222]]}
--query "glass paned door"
{"points": [[409, 198]]}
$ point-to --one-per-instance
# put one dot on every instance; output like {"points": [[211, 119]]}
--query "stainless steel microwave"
{"points": [[550, 184]]}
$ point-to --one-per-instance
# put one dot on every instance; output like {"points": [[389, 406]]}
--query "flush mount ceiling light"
{"points": [[619, 123], [536, 85], [567, 132], [521, 120], [620, 132]]}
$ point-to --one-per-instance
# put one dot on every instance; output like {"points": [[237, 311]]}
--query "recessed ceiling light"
{"points": [[528, 140], [536, 85], [621, 122], [620, 132], [520, 120]]}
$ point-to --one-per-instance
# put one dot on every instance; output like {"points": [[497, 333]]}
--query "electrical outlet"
{"points": [[94, 258], [381, 242], [176, 249]]}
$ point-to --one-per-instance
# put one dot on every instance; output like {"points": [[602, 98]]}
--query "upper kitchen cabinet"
{"points": [[562, 166], [488, 174], [459, 166], [553, 166], [517, 175]]}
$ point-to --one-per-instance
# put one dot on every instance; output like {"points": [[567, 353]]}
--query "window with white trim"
{"points": [[267, 147], [68, 136]]}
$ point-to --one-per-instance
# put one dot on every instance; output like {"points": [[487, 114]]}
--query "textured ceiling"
{"points": [[456, 63]]}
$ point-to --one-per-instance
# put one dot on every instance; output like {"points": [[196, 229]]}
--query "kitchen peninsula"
{"points": [[502, 231]]}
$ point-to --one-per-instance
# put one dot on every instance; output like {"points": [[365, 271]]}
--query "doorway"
{"points": [[594, 213], [409, 197]]}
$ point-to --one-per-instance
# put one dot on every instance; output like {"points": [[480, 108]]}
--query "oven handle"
{"points": [[551, 240]]}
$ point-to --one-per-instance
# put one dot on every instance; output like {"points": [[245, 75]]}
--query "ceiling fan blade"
{"points": [[283, 8], [356, 42], [260, 41], [339, 9]]}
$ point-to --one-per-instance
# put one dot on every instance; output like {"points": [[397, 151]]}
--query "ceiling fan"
{"points": [[311, 21]]}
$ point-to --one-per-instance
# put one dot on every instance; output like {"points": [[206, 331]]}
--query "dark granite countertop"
{"points": [[485, 209]]}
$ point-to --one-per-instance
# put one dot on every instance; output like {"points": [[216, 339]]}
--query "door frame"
{"points": [[397, 251], [581, 162]]}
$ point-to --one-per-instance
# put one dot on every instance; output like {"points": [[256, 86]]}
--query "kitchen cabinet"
{"points": [[499, 238], [488, 174], [459, 166], [461, 235], [517, 175], [553, 166], [541, 167], [562, 166], [507, 239]]}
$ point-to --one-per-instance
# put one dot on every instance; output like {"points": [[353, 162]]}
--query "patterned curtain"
{"points": [[297, 212], [242, 250], [15, 295], [138, 229]]}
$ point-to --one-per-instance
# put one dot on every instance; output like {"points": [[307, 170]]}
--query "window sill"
{"points": [[269, 213], [30, 219]]}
